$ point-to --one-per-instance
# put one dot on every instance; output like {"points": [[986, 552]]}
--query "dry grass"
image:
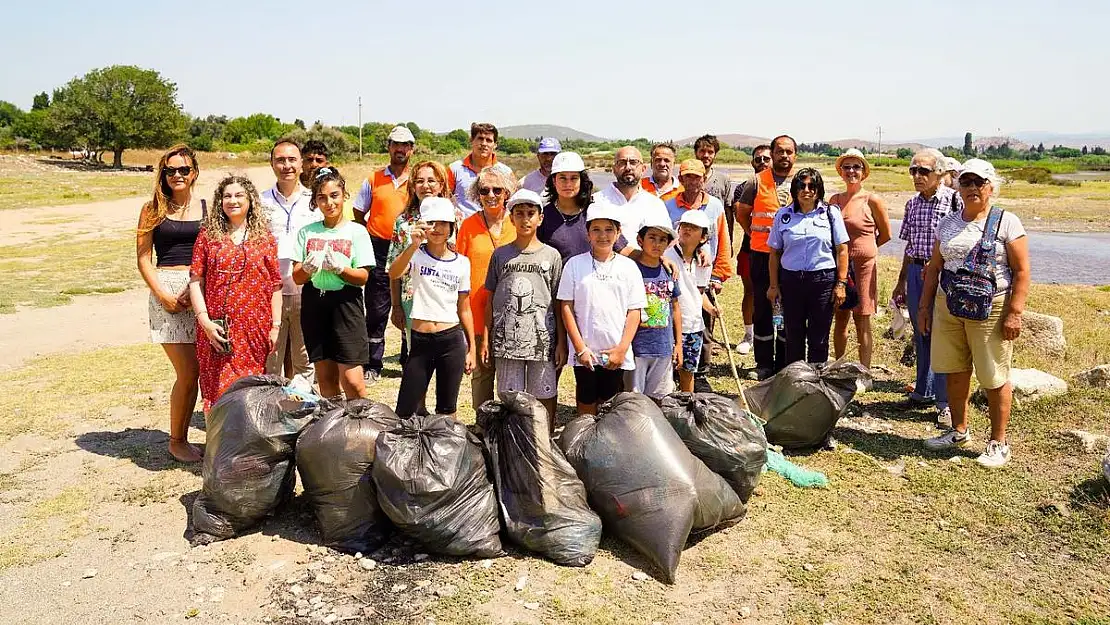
{"points": [[50, 273]]}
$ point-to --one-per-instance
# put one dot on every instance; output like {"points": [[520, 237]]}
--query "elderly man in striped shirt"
{"points": [[919, 226]]}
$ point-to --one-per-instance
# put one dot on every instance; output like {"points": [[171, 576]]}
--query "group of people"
{"points": [[509, 281]]}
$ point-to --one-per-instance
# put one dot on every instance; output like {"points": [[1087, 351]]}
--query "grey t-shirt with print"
{"points": [[523, 285]]}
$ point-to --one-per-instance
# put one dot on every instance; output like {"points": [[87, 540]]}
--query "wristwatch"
{"points": [[842, 282]]}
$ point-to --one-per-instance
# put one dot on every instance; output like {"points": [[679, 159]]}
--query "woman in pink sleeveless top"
{"points": [[868, 228]]}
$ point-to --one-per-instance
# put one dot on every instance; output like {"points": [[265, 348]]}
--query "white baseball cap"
{"points": [[523, 196], [433, 208], [567, 161], [401, 134], [952, 164], [980, 168], [662, 224], [603, 210], [695, 217]]}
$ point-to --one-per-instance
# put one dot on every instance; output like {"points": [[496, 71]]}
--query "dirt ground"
{"points": [[94, 514]]}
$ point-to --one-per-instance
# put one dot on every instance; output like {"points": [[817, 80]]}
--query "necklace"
{"points": [[567, 218], [174, 206], [604, 275], [489, 232]]}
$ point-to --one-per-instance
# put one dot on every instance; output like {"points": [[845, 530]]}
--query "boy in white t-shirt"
{"points": [[442, 340], [693, 232], [601, 295]]}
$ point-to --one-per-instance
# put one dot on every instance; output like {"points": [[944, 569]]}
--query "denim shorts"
{"points": [[691, 351]]}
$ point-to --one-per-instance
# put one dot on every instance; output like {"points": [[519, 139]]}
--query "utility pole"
{"points": [[880, 141], [360, 128]]}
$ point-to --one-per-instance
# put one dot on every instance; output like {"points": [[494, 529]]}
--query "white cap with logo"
{"points": [[401, 134]]}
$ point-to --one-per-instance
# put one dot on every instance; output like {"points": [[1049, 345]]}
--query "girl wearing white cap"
{"points": [[442, 324]]}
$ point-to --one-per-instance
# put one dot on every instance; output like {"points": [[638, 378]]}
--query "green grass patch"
{"points": [[57, 186], [51, 272]]}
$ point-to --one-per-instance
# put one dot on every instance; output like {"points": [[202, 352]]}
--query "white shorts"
{"points": [[652, 376], [535, 377]]}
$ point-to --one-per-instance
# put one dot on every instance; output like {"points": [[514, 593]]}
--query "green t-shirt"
{"points": [[349, 239]]}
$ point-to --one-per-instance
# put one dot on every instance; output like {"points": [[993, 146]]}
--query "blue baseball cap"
{"points": [[549, 144]]}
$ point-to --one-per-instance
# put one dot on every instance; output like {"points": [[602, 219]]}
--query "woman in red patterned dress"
{"points": [[235, 288]]}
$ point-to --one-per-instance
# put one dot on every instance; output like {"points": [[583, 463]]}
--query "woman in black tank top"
{"points": [[168, 228]]}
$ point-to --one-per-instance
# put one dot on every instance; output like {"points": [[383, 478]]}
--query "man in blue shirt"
{"points": [[808, 267]]}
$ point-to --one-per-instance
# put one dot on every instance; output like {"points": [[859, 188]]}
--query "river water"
{"points": [[1055, 257]]}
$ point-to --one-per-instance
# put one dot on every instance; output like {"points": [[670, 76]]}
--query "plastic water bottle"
{"points": [[776, 314]]}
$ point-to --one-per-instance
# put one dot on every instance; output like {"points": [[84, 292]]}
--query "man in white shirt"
{"points": [[536, 181], [634, 205], [289, 207]]}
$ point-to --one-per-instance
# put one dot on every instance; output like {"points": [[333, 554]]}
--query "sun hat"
{"points": [[661, 224], [567, 161], [980, 168], [549, 144], [691, 166], [434, 208], [523, 196], [603, 210], [856, 154], [952, 164], [695, 218], [401, 134]]}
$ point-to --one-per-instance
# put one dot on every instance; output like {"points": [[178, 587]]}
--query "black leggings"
{"points": [[442, 353]]}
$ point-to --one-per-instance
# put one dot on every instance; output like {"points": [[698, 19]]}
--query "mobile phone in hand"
{"points": [[224, 325]]}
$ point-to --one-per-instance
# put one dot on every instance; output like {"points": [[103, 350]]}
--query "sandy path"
{"points": [[27, 225]]}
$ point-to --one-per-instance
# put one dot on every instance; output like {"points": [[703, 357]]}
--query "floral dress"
{"points": [[239, 281]]}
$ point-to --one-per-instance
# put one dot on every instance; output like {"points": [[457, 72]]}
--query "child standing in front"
{"points": [[600, 297], [523, 332], [658, 342], [442, 324], [693, 232]]}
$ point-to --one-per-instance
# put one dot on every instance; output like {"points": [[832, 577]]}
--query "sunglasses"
{"points": [[182, 171], [761, 159], [920, 171], [807, 186], [490, 190], [970, 181], [852, 167]]}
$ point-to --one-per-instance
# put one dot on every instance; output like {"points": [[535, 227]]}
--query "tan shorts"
{"points": [[960, 345]]}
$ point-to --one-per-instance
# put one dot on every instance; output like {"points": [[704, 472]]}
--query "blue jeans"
{"points": [[929, 385]]}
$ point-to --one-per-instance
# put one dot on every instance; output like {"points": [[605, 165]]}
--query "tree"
{"points": [[904, 153], [1040, 148], [41, 102], [1084, 151], [257, 127], [9, 113], [116, 108], [299, 123], [969, 147]]}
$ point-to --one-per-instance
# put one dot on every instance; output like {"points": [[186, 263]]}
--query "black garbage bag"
{"points": [[334, 456], [642, 480], [543, 503], [248, 466], [802, 403], [431, 480], [719, 433]]}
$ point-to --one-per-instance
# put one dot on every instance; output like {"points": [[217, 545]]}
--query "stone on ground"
{"points": [[1044, 333], [1098, 377]]}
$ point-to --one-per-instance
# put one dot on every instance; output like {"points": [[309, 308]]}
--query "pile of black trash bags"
{"points": [[650, 476]]}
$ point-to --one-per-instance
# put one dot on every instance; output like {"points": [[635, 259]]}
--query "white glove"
{"points": [[313, 262], [331, 262]]}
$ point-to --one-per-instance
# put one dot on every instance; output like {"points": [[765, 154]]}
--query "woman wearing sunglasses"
{"points": [[479, 235], [868, 229], [235, 288], [168, 227], [808, 266], [962, 342]]}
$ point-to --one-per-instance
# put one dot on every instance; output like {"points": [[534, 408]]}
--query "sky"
{"points": [[818, 70]]}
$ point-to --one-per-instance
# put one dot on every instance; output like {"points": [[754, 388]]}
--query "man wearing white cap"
{"points": [[951, 173], [382, 197], [536, 181]]}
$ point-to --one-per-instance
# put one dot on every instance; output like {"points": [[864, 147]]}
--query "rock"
{"points": [[807, 567], [745, 611], [1044, 333], [331, 618], [956, 459], [296, 590], [532, 606], [397, 588], [89, 574], [324, 578], [485, 564], [367, 564], [521, 583], [1031, 384], [639, 576], [1091, 443], [447, 590], [1099, 377]]}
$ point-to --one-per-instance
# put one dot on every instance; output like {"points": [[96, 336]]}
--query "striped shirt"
{"points": [[919, 224]]}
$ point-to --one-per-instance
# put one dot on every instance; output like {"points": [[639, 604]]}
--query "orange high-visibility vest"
{"points": [[764, 207], [386, 203]]}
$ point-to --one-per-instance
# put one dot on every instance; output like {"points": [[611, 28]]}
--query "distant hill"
{"points": [[533, 131], [732, 140], [873, 145], [1071, 140]]}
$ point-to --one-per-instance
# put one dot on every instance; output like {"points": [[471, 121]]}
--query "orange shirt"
{"points": [[477, 244], [388, 197], [649, 185]]}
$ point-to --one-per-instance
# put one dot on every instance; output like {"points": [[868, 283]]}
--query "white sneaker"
{"points": [[744, 347], [949, 440], [944, 417], [996, 455]]}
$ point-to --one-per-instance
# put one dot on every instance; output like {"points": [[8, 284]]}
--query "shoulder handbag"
{"points": [[970, 289], [851, 291]]}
